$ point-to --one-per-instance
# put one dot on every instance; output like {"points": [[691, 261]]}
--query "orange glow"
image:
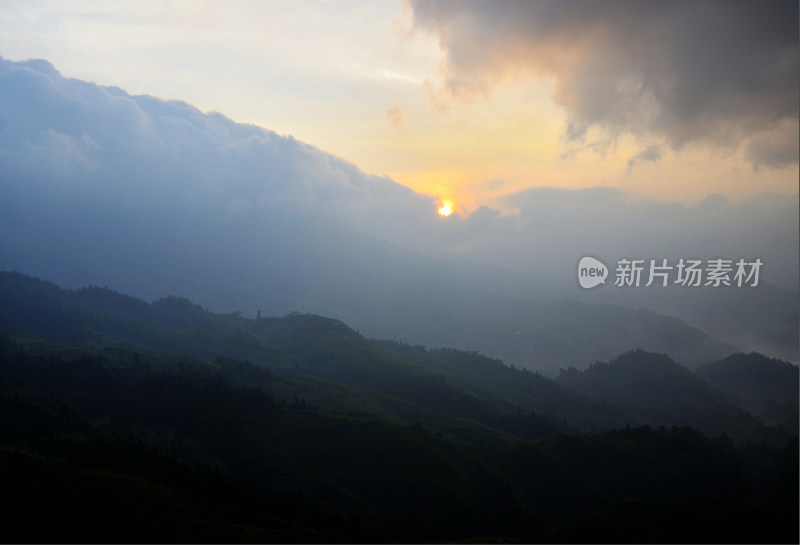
{"points": [[446, 209]]}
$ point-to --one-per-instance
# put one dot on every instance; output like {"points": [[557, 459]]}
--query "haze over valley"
{"points": [[153, 197], [399, 272]]}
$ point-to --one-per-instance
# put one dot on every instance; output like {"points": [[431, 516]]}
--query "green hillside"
{"points": [[124, 421]]}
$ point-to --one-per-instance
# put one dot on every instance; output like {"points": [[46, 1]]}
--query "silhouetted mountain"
{"points": [[495, 402], [764, 386], [172, 443], [776, 479], [587, 332], [234, 216], [323, 356], [765, 319], [214, 427], [658, 391], [157, 420]]}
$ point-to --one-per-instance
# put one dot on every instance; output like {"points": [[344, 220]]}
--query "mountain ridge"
{"points": [[328, 436], [456, 383], [157, 197]]}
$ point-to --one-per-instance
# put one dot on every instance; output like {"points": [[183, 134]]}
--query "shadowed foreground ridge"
{"points": [[124, 421]]}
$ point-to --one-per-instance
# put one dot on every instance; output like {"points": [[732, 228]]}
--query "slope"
{"points": [[652, 388], [171, 440], [764, 386]]}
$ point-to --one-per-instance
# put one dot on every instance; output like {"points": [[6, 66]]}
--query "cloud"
{"points": [[650, 153], [144, 151], [395, 116], [775, 148], [557, 225], [155, 197], [73, 153], [710, 72]]}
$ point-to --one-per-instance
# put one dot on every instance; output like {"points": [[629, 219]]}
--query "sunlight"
{"points": [[446, 209]]}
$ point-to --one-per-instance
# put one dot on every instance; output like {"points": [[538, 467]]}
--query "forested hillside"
{"points": [[124, 421]]}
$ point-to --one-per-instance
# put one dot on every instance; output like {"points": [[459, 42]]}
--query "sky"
{"points": [[472, 102], [293, 156]]}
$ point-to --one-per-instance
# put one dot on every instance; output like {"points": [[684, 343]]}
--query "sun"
{"points": [[446, 209]]}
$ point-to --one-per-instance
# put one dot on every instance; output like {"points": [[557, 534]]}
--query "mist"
{"points": [[154, 197]]}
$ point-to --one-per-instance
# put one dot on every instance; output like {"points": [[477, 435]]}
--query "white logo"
{"points": [[591, 272], [684, 272]]}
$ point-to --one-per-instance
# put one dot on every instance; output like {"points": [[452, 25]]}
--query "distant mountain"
{"points": [[154, 197], [321, 359], [588, 332], [333, 366], [764, 320], [653, 388], [215, 427], [764, 386]]}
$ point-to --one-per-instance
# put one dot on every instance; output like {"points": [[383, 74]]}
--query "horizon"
{"points": [[415, 271], [393, 88]]}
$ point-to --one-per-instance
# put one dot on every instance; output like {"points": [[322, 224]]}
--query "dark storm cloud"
{"points": [[716, 72]]}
